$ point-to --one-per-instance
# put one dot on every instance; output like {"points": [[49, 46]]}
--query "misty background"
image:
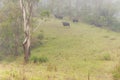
{"points": [[60, 39], [96, 12]]}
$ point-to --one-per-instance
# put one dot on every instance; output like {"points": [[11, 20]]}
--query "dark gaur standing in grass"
{"points": [[66, 24], [75, 20], [58, 17]]}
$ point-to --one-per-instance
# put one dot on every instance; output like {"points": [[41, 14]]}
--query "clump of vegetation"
{"points": [[10, 30], [45, 13], [41, 59], [116, 73], [106, 57]]}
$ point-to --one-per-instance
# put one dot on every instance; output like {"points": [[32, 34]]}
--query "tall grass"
{"points": [[116, 73]]}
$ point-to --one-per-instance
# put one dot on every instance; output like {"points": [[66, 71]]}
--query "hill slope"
{"points": [[74, 53]]}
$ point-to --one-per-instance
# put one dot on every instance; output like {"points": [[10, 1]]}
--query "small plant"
{"points": [[34, 59], [106, 57], [45, 13], [42, 59]]}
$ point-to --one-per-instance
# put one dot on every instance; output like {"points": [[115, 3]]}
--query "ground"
{"points": [[77, 53]]}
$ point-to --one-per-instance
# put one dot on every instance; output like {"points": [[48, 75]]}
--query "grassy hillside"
{"points": [[74, 53]]}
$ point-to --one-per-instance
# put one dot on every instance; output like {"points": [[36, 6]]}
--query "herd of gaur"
{"points": [[66, 23]]}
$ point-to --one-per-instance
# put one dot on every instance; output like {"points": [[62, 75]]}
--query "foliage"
{"points": [[106, 57], [45, 13], [10, 29], [100, 17], [41, 59]]}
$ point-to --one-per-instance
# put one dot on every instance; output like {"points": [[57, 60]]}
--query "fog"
{"points": [[96, 12], [59, 39]]}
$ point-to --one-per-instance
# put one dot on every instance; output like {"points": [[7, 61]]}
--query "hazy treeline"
{"points": [[96, 12]]}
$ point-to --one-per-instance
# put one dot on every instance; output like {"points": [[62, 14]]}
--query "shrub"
{"points": [[41, 59], [34, 59], [45, 13], [106, 57]]}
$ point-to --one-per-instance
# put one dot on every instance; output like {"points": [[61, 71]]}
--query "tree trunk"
{"points": [[26, 47], [26, 8]]}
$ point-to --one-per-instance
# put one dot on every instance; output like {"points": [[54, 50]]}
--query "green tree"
{"points": [[10, 28]]}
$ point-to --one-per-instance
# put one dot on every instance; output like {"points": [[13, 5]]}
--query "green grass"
{"points": [[71, 53], [116, 73]]}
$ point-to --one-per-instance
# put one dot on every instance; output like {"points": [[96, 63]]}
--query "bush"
{"points": [[45, 13], [41, 59], [106, 57]]}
